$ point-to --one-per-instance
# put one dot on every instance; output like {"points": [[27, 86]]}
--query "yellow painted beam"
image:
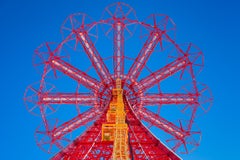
{"points": [[116, 129]]}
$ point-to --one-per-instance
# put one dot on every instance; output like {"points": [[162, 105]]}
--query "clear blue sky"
{"points": [[212, 25]]}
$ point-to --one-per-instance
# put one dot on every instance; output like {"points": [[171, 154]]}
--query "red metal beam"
{"points": [[118, 58], [166, 98], [163, 73], [143, 56], [75, 74], [161, 123], [94, 56], [67, 98], [75, 123]]}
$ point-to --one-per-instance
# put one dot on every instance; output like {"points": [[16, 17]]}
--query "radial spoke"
{"points": [[118, 58], [177, 98], [143, 56], [161, 123], [163, 73], [75, 123], [94, 56], [75, 74], [51, 108], [68, 98], [109, 12]]}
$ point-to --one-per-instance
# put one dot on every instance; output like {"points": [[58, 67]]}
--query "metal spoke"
{"points": [[75, 123], [163, 73], [67, 98], [75, 74], [166, 98], [94, 56], [143, 56]]}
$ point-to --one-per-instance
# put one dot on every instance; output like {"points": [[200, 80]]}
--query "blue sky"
{"points": [[211, 25]]}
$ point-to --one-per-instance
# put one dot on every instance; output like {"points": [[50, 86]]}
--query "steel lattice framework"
{"points": [[118, 22]]}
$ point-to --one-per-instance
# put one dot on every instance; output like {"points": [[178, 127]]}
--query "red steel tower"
{"points": [[123, 102]]}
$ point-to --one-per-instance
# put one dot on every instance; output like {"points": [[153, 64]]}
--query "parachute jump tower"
{"points": [[120, 101]]}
